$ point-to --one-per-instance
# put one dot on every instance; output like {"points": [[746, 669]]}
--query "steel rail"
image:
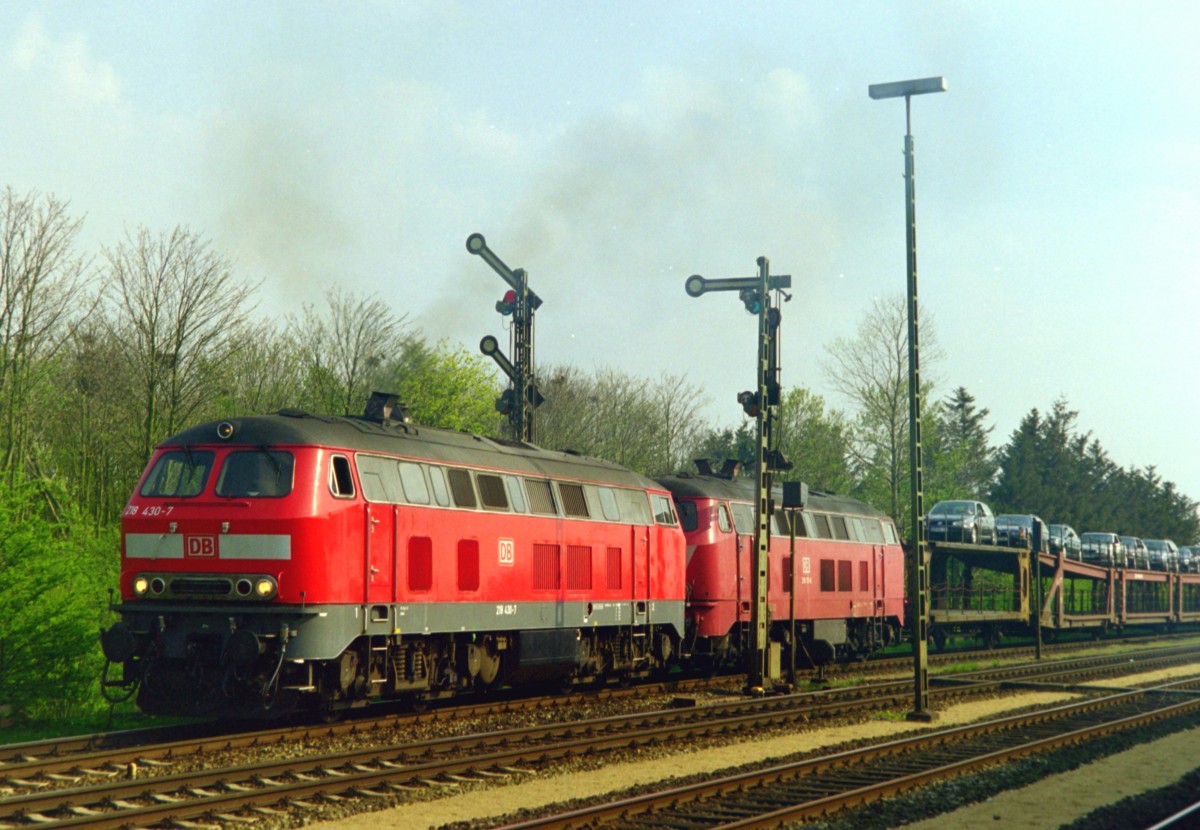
{"points": [[798, 706], [415, 764], [922, 760]]}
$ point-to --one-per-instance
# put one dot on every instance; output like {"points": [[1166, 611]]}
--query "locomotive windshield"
{"points": [[178, 474], [256, 473]]}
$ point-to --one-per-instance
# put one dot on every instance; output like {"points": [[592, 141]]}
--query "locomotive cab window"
{"points": [[412, 478], [743, 518], [379, 478], [873, 530], [441, 492], [256, 473], [663, 514], [178, 474], [687, 515], [723, 518], [341, 483]]}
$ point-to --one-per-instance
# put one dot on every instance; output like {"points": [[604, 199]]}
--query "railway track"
{"points": [[268, 785], [112, 752], [107, 754], [785, 793]]}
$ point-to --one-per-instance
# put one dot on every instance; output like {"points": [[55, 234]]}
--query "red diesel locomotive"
{"points": [[300, 561], [849, 574], [296, 561]]}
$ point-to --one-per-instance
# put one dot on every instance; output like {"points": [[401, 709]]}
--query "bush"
{"points": [[56, 573]]}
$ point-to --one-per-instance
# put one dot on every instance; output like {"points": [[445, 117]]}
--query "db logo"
{"points": [[508, 553], [200, 545]]}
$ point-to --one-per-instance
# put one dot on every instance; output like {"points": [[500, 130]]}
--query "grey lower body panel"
{"points": [[322, 632]]}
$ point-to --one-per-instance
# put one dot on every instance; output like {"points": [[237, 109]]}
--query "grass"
{"points": [[37, 730]]}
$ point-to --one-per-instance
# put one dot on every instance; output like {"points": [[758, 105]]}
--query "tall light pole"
{"points": [[918, 586]]}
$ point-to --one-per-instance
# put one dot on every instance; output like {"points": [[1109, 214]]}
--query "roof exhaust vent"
{"points": [[385, 408]]}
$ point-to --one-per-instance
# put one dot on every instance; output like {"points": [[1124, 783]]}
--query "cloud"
{"points": [[67, 63]]}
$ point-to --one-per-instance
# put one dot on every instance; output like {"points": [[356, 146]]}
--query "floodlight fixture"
{"points": [[905, 89]]}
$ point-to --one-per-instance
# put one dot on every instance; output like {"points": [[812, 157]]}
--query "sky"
{"points": [[614, 149]]}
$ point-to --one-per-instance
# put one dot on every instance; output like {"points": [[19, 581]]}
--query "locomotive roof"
{"points": [[717, 487], [298, 428]]}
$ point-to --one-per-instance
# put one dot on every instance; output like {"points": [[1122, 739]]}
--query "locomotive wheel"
{"points": [[488, 659]]}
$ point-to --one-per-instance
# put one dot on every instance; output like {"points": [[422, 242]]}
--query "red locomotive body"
{"points": [[292, 559], [849, 573]]}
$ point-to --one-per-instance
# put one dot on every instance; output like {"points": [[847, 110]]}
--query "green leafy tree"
{"points": [[444, 386], [342, 348], [55, 578], [816, 441]]}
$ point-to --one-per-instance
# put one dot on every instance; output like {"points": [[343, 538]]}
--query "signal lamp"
{"points": [[508, 304], [751, 299], [749, 402], [264, 587], [141, 585], [224, 430], [506, 402]]}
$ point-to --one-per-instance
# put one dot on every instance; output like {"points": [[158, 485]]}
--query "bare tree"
{"points": [[344, 348], [265, 372], [871, 369], [649, 427], [177, 309], [41, 301], [677, 403]]}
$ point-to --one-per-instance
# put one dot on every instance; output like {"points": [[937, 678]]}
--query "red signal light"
{"points": [[508, 304]]}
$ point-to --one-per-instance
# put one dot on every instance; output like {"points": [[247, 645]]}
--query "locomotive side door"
{"points": [[744, 529], [380, 554], [640, 568]]}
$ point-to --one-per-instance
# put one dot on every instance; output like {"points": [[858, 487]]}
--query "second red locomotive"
{"points": [[848, 582]]}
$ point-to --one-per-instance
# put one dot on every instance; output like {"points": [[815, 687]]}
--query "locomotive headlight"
{"points": [[141, 585], [264, 587]]}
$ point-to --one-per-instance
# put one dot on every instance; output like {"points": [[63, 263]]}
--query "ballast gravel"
{"points": [[575, 782]]}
